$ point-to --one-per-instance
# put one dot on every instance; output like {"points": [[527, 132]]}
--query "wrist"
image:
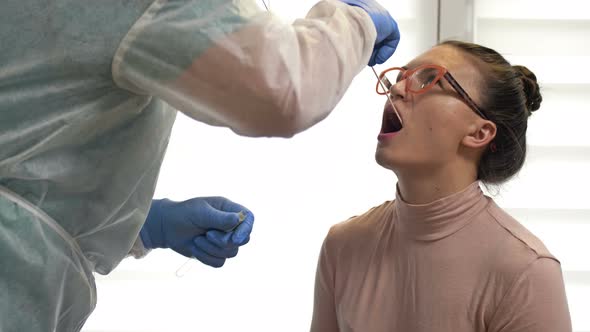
{"points": [[145, 238], [151, 233], [356, 3]]}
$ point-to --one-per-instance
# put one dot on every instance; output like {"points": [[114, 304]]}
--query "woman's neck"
{"points": [[426, 187]]}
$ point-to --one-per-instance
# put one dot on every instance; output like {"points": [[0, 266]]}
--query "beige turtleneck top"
{"points": [[459, 264]]}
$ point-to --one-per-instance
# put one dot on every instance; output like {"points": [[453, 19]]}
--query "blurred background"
{"points": [[298, 188]]}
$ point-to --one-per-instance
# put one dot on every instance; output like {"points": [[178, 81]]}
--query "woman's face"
{"points": [[435, 122]]}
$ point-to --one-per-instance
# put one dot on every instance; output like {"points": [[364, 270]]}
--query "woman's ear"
{"points": [[480, 135]]}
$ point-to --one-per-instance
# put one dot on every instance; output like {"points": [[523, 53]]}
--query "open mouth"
{"points": [[391, 123]]}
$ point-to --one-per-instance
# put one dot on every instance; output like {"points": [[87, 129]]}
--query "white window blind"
{"points": [[550, 196], [297, 189]]}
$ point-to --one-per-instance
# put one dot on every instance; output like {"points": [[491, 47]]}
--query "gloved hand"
{"points": [[207, 228], [387, 30]]}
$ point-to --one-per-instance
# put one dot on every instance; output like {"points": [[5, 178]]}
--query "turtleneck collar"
{"points": [[441, 218]]}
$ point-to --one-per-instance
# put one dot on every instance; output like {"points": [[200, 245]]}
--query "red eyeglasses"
{"points": [[421, 79]]}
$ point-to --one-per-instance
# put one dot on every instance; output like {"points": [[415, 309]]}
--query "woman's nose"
{"points": [[398, 90]]}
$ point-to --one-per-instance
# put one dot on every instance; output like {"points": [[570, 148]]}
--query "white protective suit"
{"points": [[88, 92]]}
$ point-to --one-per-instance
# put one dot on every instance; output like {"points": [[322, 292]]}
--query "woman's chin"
{"points": [[387, 159], [399, 162]]}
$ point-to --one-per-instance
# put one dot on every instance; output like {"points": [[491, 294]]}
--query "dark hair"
{"points": [[511, 94]]}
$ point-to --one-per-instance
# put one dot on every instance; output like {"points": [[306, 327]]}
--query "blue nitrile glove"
{"points": [[387, 31], [207, 228]]}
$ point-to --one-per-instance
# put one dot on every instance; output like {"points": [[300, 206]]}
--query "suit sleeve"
{"points": [[229, 63]]}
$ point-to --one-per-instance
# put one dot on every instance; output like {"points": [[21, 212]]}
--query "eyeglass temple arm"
{"points": [[464, 94]]}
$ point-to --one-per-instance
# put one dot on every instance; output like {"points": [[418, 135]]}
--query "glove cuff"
{"points": [[356, 4], [146, 239], [139, 249], [151, 232]]}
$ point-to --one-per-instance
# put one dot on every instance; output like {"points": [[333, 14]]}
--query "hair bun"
{"points": [[530, 88]]}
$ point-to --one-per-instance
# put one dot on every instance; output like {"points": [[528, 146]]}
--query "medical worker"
{"points": [[88, 93]]}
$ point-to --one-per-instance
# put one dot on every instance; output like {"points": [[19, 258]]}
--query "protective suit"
{"points": [[88, 92]]}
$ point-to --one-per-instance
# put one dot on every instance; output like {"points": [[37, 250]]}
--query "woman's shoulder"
{"points": [[511, 248], [517, 233], [363, 226]]}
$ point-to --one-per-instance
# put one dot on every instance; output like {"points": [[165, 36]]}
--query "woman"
{"points": [[442, 256]]}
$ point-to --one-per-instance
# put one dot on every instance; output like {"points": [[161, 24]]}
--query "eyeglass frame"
{"points": [[442, 73]]}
